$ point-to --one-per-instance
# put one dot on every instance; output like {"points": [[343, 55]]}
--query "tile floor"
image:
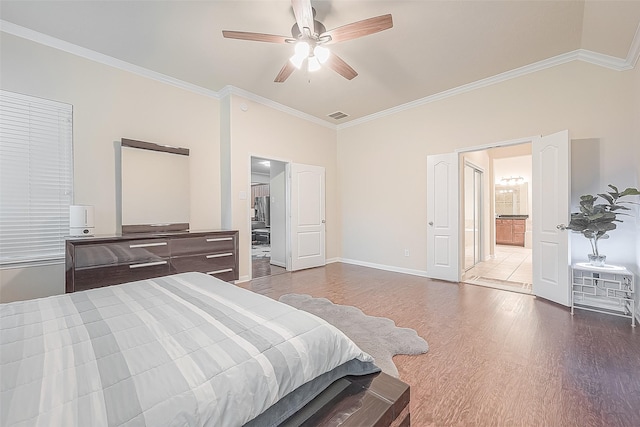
{"points": [[509, 269]]}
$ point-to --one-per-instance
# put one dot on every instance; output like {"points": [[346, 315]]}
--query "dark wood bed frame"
{"points": [[374, 400]]}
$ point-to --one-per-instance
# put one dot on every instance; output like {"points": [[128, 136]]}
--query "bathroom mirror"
{"points": [[511, 199], [154, 187]]}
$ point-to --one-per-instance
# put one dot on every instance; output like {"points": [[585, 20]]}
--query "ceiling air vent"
{"points": [[338, 115]]}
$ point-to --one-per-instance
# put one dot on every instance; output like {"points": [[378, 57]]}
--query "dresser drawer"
{"points": [[127, 252], [204, 263], [202, 244], [89, 278]]}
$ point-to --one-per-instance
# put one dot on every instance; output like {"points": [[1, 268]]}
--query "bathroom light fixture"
{"points": [[511, 180]]}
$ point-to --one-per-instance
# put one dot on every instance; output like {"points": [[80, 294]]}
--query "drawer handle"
{"points": [[147, 264], [219, 239], [219, 255], [226, 270], [147, 245]]}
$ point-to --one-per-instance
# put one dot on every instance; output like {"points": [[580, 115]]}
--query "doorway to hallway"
{"points": [[267, 217]]}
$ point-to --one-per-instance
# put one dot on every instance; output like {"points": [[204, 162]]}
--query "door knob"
{"points": [[431, 223], [561, 227]]}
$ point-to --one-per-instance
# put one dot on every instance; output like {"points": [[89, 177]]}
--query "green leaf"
{"points": [[607, 197], [630, 192], [616, 207]]}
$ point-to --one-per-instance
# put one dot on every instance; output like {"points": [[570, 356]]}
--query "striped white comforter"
{"points": [[184, 350]]}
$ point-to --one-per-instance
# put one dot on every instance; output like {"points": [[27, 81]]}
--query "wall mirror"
{"points": [[154, 187], [511, 199]]}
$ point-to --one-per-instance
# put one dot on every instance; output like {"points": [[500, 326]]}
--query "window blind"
{"points": [[36, 177]]}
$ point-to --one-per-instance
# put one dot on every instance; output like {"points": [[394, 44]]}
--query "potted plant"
{"points": [[595, 220]]}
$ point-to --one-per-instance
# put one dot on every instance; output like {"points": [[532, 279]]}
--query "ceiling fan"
{"points": [[310, 38]]}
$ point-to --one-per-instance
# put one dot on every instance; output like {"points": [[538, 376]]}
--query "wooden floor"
{"points": [[496, 358], [261, 267]]}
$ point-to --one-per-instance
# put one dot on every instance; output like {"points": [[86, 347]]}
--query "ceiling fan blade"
{"points": [[359, 29], [304, 14], [339, 66], [258, 37], [285, 72]]}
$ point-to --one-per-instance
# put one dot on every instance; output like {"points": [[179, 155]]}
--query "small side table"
{"points": [[608, 289]]}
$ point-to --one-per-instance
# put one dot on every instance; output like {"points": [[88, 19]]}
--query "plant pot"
{"points": [[597, 260]]}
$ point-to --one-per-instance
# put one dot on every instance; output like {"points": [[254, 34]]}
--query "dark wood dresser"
{"points": [[93, 262]]}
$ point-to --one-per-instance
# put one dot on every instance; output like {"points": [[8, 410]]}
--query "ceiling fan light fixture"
{"points": [[313, 64], [297, 60], [322, 53], [301, 53]]}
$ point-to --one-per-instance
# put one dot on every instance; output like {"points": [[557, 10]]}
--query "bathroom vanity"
{"points": [[510, 229]]}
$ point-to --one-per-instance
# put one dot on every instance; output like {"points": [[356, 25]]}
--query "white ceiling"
{"points": [[434, 46]]}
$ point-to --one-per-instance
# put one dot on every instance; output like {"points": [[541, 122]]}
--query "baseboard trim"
{"points": [[384, 267], [242, 279]]}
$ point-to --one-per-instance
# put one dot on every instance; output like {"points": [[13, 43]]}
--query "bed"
{"points": [[186, 349]]}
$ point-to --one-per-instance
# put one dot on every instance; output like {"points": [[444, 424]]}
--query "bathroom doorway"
{"points": [[503, 259]]}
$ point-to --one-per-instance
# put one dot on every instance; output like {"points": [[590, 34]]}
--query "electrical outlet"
{"points": [[406, 252]]}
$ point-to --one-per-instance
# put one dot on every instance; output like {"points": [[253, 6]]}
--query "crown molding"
{"points": [[232, 90], [498, 78], [611, 62], [588, 56], [591, 57], [607, 61], [26, 33], [634, 49]]}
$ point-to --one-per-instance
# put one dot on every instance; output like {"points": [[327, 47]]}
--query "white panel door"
{"points": [[551, 204], [442, 217], [307, 221]]}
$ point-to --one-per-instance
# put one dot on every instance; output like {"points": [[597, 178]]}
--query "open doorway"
{"points": [[504, 259], [267, 211]]}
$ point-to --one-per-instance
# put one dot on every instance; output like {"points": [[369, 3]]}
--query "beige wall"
{"points": [[109, 104], [382, 163], [261, 131], [376, 171]]}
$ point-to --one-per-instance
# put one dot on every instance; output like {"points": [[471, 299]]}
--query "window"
{"points": [[36, 178]]}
